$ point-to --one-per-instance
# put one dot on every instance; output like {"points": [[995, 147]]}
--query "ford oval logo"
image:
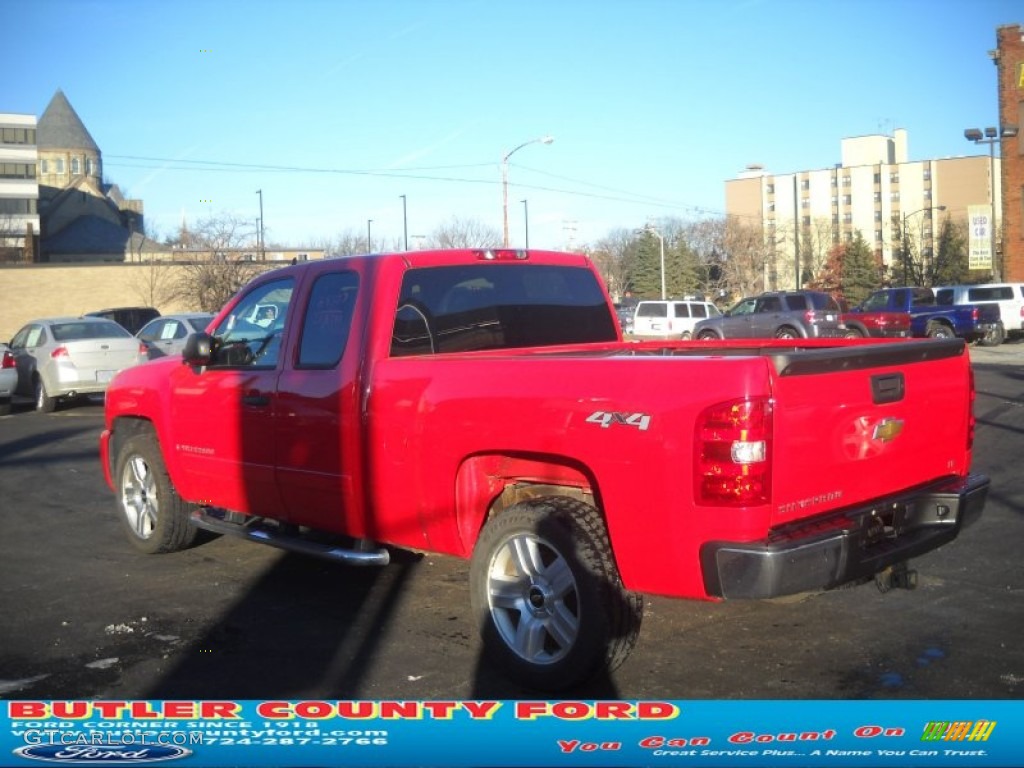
{"points": [[105, 755]]}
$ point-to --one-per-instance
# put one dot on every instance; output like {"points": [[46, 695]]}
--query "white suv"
{"points": [[674, 318], [1009, 297]]}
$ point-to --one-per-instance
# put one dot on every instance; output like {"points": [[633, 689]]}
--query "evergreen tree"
{"points": [[950, 265], [861, 271]]}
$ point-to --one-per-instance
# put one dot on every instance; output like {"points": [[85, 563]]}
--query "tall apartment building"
{"points": [[19, 187], [876, 191]]}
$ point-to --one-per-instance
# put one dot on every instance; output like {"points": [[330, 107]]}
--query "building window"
{"points": [[848, 237], [835, 219], [878, 178], [76, 167], [771, 207], [878, 215], [847, 218], [805, 184], [846, 181], [927, 174], [807, 221], [44, 166], [878, 197], [805, 203], [835, 182], [894, 197], [771, 189], [60, 165], [894, 178], [927, 194], [878, 235], [847, 199], [88, 167]]}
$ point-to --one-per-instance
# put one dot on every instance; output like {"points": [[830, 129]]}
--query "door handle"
{"points": [[255, 399]]}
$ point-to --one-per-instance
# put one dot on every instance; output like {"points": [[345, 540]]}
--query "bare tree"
{"points": [[154, 283], [217, 267], [610, 257], [464, 233]]}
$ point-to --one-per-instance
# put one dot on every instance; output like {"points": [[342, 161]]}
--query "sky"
{"points": [[335, 109]]}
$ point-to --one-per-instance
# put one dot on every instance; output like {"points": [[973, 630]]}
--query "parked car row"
{"points": [[985, 314], [56, 360]]}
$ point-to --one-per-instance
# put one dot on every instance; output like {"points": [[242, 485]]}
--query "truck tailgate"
{"points": [[862, 422]]}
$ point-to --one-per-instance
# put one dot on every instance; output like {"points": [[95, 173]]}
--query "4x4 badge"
{"points": [[605, 418], [887, 430]]}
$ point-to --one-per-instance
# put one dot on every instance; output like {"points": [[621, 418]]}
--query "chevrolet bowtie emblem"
{"points": [[887, 430]]}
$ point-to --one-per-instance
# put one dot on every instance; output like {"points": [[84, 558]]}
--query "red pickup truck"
{"points": [[483, 404]]}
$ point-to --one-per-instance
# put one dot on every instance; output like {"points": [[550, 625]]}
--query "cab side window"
{"points": [[328, 320], [248, 337]]}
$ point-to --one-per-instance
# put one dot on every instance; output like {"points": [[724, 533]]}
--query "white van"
{"points": [[673, 318], [1009, 297]]}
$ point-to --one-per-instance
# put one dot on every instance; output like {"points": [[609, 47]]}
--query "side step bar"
{"points": [[285, 537]]}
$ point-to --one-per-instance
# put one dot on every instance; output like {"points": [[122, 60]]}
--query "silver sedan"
{"points": [[64, 357], [166, 335]]}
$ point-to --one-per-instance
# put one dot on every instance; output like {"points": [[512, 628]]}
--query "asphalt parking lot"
{"points": [[85, 616]]}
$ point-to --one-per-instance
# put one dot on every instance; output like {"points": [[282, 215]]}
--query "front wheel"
{"points": [[707, 336], [154, 516], [786, 333], [547, 596]]}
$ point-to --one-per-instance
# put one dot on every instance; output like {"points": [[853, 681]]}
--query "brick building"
{"points": [[1009, 60]]}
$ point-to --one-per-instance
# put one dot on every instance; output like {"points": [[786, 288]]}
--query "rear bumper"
{"points": [[851, 545]]}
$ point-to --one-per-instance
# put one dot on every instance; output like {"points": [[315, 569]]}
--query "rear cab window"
{"points": [[464, 308]]}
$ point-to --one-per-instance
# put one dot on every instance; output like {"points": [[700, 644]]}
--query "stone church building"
{"points": [[82, 218]]}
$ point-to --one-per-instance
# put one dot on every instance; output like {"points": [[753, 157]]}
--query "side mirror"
{"points": [[198, 349]]}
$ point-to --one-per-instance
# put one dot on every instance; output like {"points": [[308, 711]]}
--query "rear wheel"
{"points": [[44, 403], [853, 333], [785, 332], [939, 331], [547, 596], [707, 336], [994, 337], [154, 516]]}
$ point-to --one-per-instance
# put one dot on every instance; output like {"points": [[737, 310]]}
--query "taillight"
{"points": [[59, 352], [732, 454], [7, 361], [975, 313]]}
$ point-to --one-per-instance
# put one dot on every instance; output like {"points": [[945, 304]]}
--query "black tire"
{"points": [[993, 338], [707, 336], [785, 332], [44, 403], [547, 597], [939, 331], [853, 333], [154, 516]]}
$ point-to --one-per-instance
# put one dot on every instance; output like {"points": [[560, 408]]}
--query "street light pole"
{"points": [[504, 179], [369, 242], [903, 237], [991, 137], [261, 243], [405, 224], [526, 222]]}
